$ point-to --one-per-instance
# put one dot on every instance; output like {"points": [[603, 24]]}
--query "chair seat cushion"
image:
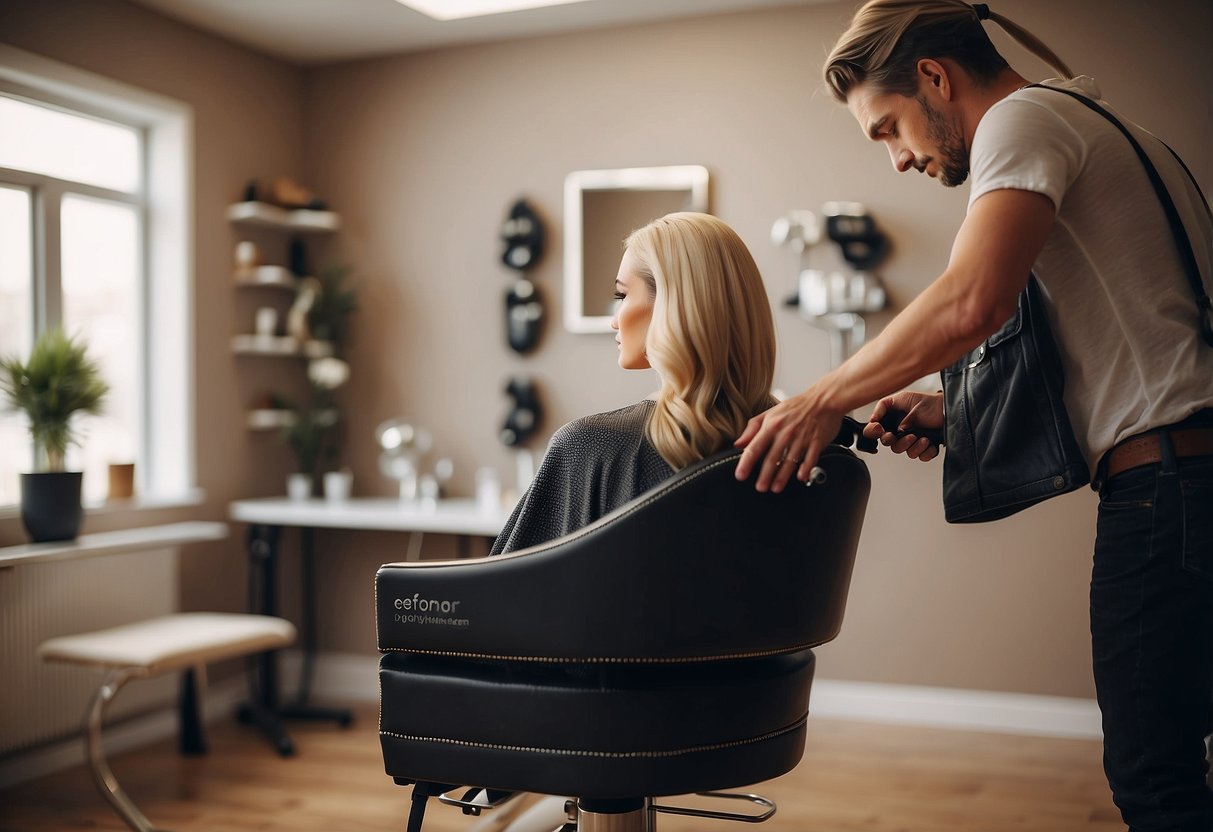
{"points": [[600, 730]]}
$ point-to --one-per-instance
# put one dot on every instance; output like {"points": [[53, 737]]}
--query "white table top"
{"points": [[113, 543], [456, 516]]}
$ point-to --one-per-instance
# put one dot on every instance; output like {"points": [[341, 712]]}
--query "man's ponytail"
{"points": [[887, 38]]}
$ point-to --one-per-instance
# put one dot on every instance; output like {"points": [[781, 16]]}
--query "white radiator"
{"points": [[40, 702]]}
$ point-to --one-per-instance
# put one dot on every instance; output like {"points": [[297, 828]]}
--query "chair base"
{"points": [[271, 721], [628, 820], [545, 813]]}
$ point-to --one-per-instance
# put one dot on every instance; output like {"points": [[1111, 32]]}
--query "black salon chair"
{"points": [[663, 650]]}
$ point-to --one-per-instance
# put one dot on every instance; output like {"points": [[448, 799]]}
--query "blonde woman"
{"points": [[692, 306]]}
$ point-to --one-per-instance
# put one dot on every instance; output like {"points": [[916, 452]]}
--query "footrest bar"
{"points": [[476, 799], [767, 803]]}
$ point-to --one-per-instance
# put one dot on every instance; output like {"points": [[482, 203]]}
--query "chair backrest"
{"points": [[701, 568]]}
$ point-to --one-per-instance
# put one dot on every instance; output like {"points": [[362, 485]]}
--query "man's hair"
{"points": [[887, 38], [711, 337]]}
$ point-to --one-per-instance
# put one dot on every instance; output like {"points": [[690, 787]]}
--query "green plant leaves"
{"points": [[58, 381]]}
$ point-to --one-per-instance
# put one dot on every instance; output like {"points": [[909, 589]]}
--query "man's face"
{"points": [[918, 135]]}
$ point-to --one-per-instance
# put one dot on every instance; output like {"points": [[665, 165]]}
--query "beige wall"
{"points": [[424, 154], [248, 123]]}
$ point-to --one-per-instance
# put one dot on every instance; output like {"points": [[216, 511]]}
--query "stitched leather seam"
{"points": [[754, 654], [614, 755]]}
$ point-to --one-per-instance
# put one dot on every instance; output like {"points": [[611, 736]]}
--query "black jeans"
{"points": [[1152, 640]]}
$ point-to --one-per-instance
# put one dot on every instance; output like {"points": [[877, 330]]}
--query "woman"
{"points": [[693, 307]]}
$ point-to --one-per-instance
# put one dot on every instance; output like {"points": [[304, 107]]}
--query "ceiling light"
{"points": [[456, 9]]}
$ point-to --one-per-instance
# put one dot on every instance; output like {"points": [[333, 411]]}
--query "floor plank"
{"points": [[854, 776]]}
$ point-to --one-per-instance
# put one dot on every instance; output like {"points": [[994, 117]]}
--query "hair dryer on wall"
{"points": [[836, 301]]}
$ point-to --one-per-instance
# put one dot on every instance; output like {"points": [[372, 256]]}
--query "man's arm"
{"points": [[991, 259]]}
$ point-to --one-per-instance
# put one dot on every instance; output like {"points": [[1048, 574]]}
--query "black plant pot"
{"points": [[50, 505]]}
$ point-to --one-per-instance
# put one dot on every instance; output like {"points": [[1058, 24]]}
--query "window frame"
{"points": [[164, 204]]}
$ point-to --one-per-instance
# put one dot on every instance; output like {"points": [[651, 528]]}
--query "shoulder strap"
{"points": [[1203, 304]]}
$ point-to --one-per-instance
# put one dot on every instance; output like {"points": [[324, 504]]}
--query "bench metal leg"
{"points": [[107, 784]]}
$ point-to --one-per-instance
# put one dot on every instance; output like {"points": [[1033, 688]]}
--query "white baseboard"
{"points": [[222, 698], [345, 677], [355, 678], [969, 710]]}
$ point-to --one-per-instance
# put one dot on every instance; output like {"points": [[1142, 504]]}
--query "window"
{"points": [[94, 199]]}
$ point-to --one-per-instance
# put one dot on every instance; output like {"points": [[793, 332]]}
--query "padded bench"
{"points": [[179, 642]]}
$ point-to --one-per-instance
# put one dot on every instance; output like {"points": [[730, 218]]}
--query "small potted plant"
{"points": [[328, 318], [310, 432], [58, 381]]}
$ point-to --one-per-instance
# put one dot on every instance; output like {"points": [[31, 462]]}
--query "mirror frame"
{"points": [[693, 178]]}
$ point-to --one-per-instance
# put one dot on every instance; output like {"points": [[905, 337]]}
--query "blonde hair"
{"points": [[887, 38], [711, 337]]}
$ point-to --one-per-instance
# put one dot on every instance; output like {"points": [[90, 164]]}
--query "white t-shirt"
{"points": [[1121, 307]]}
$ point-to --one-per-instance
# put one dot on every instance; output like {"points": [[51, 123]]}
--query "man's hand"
{"points": [[923, 410], [786, 440]]}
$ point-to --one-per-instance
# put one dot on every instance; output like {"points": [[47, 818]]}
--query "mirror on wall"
{"points": [[601, 207]]}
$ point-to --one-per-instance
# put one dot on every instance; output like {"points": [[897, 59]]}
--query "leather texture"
{"points": [[1146, 449], [701, 567], [662, 650], [1009, 440], [594, 730]]}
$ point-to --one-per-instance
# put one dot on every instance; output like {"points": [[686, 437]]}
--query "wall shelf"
{"points": [[278, 418], [280, 345], [275, 277], [282, 281], [271, 216]]}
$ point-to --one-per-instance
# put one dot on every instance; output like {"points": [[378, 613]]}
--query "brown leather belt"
{"points": [[1145, 449]]}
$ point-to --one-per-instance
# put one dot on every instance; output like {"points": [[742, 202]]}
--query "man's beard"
{"points": [[952, 155]]}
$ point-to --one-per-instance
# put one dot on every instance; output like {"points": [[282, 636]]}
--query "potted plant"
{"points": [[328, 318], [310, 431], [58, 381]]}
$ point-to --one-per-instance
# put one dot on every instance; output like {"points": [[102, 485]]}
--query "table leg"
{"points": [[299, 709], [414, 551], [262, 709]]}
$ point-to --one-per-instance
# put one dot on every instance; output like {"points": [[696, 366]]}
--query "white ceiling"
{"points": [[311, 32]]}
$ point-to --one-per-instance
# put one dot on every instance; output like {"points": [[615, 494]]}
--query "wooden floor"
{"points": [[854, 776]]}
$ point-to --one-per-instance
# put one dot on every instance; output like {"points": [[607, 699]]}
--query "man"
{"points": [[1059, 192]]}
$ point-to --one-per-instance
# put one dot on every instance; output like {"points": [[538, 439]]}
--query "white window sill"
{"points": [[148, 502], [122, 541]]}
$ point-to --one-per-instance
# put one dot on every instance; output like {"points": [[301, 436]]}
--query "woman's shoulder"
{"points": [[603, 427], [603, 435]]}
